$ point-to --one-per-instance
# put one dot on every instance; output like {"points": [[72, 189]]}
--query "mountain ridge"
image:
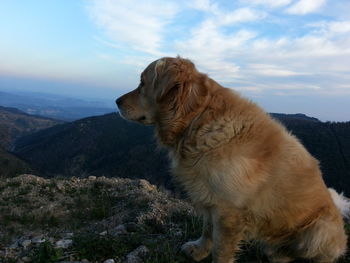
{"points": [[108, 145]]}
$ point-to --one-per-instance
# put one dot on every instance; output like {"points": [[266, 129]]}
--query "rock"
{"points": [[26, 259], [64, 243], [109, 261], [26, 243], [146, 185], [137, 255], [91, 177], [38, 240], [119, 230], [60, 186], [14, 245], [69, 235], [133, 259], [74, 179], [104, 233]]}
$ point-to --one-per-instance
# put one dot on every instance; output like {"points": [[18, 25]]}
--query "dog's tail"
{"points": [[342, 202]]}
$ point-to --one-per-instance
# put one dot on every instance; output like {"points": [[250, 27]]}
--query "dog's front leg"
{"points": [[227, 233], [200, 249]]}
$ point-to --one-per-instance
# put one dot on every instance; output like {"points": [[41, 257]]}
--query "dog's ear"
{"points": [[173, 78]]}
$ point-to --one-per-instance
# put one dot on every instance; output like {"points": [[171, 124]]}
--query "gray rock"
{"points": [[133, 259], [26, 259], [14, 245], [60, 186], [69, 234], [38, 240], [119, 230], [26, 243], [109, 261], [104, 233], [137, 255], [64, 243]]}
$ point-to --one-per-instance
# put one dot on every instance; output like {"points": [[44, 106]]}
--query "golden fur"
{"points": [[249, 177]]}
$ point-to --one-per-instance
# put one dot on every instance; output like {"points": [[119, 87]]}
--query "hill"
{"points": [[15, 123], [11, 165], [108, 146], [102, 146]]}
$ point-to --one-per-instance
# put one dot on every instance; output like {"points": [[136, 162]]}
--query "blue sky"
{"points": [[287, 55]]}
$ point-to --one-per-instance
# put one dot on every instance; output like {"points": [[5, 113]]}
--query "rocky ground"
{"points": [[95, 220]]}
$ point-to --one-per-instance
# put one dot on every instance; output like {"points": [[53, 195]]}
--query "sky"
{"points": [[290, 56]]}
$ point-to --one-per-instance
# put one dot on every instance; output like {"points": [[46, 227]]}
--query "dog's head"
{"points": [[167, 87]]}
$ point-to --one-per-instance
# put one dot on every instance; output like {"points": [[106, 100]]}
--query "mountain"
{"points": [[293, 117], [110, 146], [15, 123], [11, 165], [103, 146], [55, 106]]}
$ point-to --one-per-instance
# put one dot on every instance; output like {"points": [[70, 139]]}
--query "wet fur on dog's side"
{"points": [[249, 177]]}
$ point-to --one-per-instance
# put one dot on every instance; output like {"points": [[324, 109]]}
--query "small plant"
{"points": [[46, 253], [14, 184], [97, 248]]}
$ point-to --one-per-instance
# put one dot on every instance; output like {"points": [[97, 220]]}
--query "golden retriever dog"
{"points": [[244, 172]]}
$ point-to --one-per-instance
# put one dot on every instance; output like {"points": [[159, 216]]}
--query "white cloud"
{"points": [[332, 27], [138, 24], [240, 15], [204, 5], [237, 46], [268, 3], [271, 70], [303, 7], [339, 27], [212, 49]]}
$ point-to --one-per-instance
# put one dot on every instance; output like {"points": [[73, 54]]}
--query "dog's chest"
{"points": [[207, 184]]}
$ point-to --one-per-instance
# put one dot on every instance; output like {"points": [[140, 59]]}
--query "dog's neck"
{"points": [[171, 129]]}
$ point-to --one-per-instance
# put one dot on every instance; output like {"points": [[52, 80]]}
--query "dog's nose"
{"points": [[118, 101]]}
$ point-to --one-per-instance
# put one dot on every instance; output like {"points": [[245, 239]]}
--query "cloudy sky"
{"points": [[288, 55]]}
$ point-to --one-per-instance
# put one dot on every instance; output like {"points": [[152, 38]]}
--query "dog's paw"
{"points": [[194, 250]]}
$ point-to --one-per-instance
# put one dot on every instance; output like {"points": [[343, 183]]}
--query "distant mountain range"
{"points": [[55, 106], [110, 146]]}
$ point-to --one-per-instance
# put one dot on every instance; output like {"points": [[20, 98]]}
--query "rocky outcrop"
{"points": [[96, 220], [58, 216]]}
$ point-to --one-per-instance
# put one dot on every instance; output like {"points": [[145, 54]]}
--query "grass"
{"points": [[46, 253], [163, 241]]}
